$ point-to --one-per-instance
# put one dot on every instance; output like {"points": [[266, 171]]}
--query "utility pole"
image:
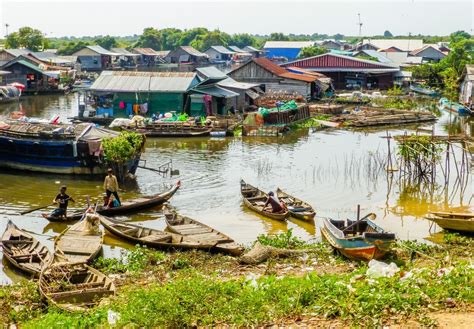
{"points": [[6, 29], [360, 25]]}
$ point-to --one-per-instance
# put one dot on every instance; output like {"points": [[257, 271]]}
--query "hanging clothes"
{"points": [[136, 108], [129, 109], [121, 105], [208, 104], [144, 108]]}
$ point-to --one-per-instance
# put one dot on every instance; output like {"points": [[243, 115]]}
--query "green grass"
{"points": [[192, 299]]}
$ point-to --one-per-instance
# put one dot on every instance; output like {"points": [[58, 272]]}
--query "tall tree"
{"points": [[106, 42], [312, 51], [151, 38], [27, 37], [278, 37], [388, 34], [242, 40]]}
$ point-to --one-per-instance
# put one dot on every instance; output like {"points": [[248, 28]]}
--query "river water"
{"points": [[334, 170]]}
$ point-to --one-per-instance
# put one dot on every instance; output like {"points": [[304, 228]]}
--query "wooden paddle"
{"points": [[34, 209]]}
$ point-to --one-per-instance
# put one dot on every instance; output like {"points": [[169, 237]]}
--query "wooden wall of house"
{"points": [[251, 72], [5, 57]]}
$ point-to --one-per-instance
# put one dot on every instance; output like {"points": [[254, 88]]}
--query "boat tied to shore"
{"points": [[255, 200], [81, 242], [73, 286], [196, 230], [297, 208], [359, 240], [57, 148], [23, 251], [127, 206], [453, 221], [152, 237]]}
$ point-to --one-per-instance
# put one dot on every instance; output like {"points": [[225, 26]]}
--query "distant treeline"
{"points": [[170, 38]]}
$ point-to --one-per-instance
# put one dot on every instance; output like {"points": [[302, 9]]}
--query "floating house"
{"points": [[466, 92], [37, 76], [126, 59], [429, 53], [149, 56], [390, 44], [54, 60], [7, 55], [219, 54], [125, 93], [95, 58], [350, 72], [274, 78], [331, 44], [243, 94], [256, 53], [186, 55], [285, 50], [402, 58]]}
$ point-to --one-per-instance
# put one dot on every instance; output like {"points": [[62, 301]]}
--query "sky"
{"points": [[58, 18]]}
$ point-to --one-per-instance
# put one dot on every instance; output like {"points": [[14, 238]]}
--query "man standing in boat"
{"points": [[62, 199], [111, 185]]}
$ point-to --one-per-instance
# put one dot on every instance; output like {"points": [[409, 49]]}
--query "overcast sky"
{"points": [[102, 17]]}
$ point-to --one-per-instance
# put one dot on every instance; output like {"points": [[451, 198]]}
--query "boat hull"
{"points": [[455, 224]]}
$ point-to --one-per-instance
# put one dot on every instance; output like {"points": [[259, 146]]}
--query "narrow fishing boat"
{"points": [[423, 91], [359, 240], [255, 200], [195, 230], [73, 286], [296, 207], [81, 242], [151, 237], [9, 94], [128, 206], [57, 148], [456, 108], [453, 221], [171, 130], [23, 250]]}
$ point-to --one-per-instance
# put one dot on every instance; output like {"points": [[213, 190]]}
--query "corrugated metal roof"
{"points": [[128, 81], [211, 72], [17, 52], [145, 51], [102, 51], [288, 44], [50, 58], [222, 50], [193, 52], [231, 83], [124, 52], [434, 47], [403, 44], [237, 49], [336, 62], [282, 72], [378, 55], [216, 91], [4, 72], [162, 53], [251, 49], [25, 63]]}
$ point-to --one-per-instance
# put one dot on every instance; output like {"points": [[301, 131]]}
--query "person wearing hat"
{"points": [[62, 199], [274, 202], [111, 185]]}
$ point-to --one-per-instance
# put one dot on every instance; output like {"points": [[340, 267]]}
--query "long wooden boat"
{"points": [[198, 231], [296, 207], [74, 287], [255, 200], [453, 221], [423, 91], [152, 237], [23, 250], [128, 206], [363, 240], [58, 149], [171, 131], [453, 107], [81, 242]]}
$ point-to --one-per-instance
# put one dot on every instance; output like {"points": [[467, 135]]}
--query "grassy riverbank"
{"points": [[198, 289]]}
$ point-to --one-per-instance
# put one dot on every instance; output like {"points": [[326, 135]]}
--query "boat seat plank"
{"points": [[156, 238], [197, 230]]}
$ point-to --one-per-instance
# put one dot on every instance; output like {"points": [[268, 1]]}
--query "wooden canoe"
{"points": [[81, 242], [23, 250], [166, 131], [74, 287], [128, 206], [151, 237], [364, 241], [296, 207], [460, 222], [195, 230], [255, 200]]}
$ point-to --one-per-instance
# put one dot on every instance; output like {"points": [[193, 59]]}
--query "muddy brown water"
{"points": [[334, 170]]}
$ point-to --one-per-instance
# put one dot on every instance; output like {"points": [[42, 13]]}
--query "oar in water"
{"points": [[34, 209]]}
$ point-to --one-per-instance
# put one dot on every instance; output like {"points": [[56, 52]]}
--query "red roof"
{"points": [[336, 61], [281, 72]]}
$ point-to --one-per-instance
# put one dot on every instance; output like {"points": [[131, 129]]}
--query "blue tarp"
{"points": [[290, 53]]}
